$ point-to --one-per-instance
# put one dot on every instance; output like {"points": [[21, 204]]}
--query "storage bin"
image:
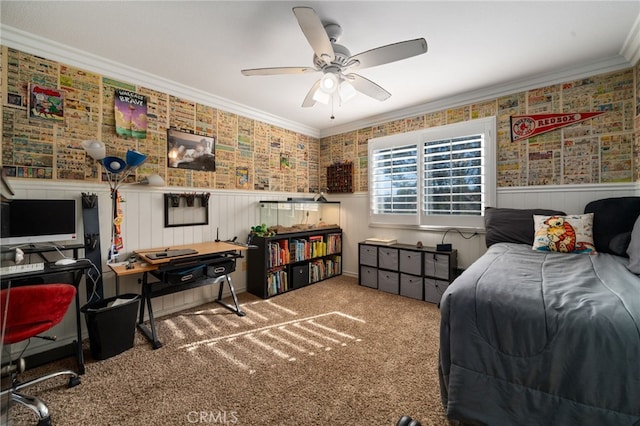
{"points": [[437, 265], [300, 275], [433, 290], [111, 326], [388, 258], [411, 262], [368, 276], [368, 255], [411, 286], [388, 281]]}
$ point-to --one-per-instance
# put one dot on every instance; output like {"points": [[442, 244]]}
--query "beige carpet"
{"points": [[333, 353]]}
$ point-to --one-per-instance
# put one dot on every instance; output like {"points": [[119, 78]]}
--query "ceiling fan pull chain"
{"points": [[333, 100]]}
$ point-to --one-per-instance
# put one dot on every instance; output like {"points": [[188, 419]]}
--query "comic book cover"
{"points": [[46, 103]]}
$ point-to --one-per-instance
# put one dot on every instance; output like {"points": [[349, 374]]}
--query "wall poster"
{"points": [[191, 151], [130, 111]]}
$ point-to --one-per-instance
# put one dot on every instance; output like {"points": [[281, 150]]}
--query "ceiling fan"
{"points": [[336, 62]]}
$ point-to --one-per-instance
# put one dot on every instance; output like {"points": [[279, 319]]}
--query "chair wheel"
{"points": [[407, 421], [44, 422], [73, 381]]}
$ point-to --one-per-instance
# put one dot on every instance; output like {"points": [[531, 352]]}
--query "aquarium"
{"points": [[298, 216]]}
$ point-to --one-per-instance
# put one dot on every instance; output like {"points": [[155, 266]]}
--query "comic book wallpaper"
{"points": [[49, 108]]}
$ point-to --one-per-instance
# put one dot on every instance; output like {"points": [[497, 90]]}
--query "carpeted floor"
{"points": [[333, 353]]}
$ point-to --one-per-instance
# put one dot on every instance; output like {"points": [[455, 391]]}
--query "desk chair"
{"points": [[25, 312]]}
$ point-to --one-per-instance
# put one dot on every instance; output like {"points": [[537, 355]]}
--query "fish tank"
{"points": [[282, 217]]}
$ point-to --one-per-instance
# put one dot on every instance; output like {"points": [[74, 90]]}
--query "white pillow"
{"points": [[633, 251]]}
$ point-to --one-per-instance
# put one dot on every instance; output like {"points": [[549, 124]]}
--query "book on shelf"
{"points": [[383, 241]]}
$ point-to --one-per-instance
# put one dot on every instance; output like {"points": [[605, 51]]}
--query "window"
{"points": [[437, 177]]}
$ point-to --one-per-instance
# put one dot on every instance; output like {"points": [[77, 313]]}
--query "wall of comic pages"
{"points": [[249, 153], [599, 150], [36, 144]]}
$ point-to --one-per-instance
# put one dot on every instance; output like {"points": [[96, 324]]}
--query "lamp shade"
{"points": [[95, 149], [152, 180], [346, 91], [135, 158], [322, 97], [114, 165]]}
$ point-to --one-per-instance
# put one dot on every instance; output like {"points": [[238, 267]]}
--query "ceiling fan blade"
{"points": [[278, 71], [308, 100], [315, 33], [368, 87], [389, 53]]}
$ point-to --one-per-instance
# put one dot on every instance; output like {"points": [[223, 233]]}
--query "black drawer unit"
{"points": [[189, 274], [421, 273]]}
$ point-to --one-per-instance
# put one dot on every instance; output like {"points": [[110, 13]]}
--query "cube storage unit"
{"points": [[420, 273], [306, 249]]}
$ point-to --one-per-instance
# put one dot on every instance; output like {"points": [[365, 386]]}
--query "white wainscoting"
{"points": [[232, 213], [568, 198]]}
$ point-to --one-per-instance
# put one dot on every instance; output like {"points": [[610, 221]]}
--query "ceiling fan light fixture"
{"points": [[321, 96], [329, 83], [346, 91]]}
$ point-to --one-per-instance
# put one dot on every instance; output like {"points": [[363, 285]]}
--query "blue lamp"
{"points": [[117, 171]]}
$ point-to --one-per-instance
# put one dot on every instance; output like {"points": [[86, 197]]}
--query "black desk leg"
{"points": [[78, 343], [235, 308], [150, 334]]}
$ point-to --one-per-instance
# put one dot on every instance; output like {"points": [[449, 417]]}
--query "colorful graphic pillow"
{"points": [[564, 234]]}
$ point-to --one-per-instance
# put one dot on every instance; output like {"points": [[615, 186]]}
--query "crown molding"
{"points": [[603, 66], [39, 46], [30, 43], [631, 47]]}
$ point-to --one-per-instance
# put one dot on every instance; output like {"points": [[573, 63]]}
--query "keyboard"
{"points": [[167, 254], [21, 269]]}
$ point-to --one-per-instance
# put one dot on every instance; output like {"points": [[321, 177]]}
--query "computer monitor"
{"points": [[38, 221]]}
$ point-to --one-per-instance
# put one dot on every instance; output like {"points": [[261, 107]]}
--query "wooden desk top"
{"points": [[146, 264]]}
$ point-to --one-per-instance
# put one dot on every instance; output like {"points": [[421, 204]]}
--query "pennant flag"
{"points": [[526, 126]]}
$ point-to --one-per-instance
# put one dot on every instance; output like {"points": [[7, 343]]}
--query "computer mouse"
{"points": [[65, 261]]}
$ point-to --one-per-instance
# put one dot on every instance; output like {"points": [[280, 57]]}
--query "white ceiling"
{"points": [[201, 46]]}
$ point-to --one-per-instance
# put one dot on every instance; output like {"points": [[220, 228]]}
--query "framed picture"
{"points": [[46, 103], [190, 151]]}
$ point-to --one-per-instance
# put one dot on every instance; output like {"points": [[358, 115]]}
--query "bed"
{"points": [[535, 336]]}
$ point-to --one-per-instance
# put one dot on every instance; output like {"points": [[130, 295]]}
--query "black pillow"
{"points": [[613, 220], [505, 225]]}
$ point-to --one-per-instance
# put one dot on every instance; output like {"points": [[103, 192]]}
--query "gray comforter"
{"points": [[533, 338]]}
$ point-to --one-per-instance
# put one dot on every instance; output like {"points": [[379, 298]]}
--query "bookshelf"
{"points": [[286, 262]]}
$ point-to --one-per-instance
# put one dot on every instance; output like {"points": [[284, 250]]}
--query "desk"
{"points": [[75, 271], [212, 263]]}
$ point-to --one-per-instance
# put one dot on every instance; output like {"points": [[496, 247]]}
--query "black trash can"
{"points": [[111, 324]]}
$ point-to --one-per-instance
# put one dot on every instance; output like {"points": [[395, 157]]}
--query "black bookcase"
{"points": [[285, 262]]}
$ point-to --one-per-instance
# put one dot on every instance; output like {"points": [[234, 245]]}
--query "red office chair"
{"points": [[25, 312]]}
